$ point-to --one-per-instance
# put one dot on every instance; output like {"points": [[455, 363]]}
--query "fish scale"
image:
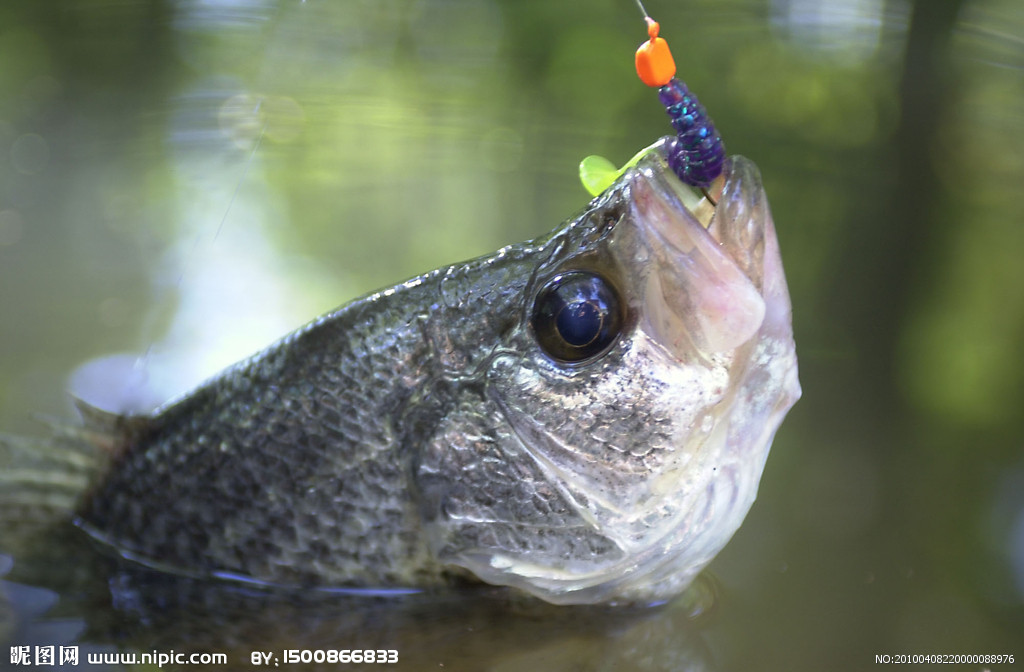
{"points": [[289, 455]]}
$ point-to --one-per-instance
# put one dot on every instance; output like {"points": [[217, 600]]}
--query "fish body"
{"points": [[584, 416]]}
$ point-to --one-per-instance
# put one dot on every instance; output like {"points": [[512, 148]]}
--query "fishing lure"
{"points": [[696, 154]]}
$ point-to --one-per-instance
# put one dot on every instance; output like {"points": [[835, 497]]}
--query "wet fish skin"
{"points": [[296, 465], [420, 434]]}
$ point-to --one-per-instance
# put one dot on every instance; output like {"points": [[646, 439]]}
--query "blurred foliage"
{"points": [[358, 143]]}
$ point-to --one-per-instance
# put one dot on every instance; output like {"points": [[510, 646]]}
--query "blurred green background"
{"points": [[189, 180]]}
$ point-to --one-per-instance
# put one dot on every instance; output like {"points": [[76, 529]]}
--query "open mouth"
{"points": [[701, 203], [733, 210], [703, 290]]}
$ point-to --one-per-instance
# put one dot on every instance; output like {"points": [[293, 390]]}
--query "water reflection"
{"points": [[116, 606]]}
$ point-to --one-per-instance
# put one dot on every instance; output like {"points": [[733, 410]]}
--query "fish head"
{"points": [[633, 407]]}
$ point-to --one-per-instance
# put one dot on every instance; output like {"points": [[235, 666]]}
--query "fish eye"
{"points": [[576, 316]]}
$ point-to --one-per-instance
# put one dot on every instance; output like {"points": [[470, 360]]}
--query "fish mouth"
{"points": [[675, 194], [707, 275]]}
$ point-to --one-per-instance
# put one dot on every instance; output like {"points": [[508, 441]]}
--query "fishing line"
{"points": [[188, 260], [696, 154], [245, 170], [143, 361]]}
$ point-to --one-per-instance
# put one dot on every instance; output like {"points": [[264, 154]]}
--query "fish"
{"points": [[584, 417]]}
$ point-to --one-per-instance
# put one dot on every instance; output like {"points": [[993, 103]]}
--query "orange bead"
{"points": [[654, 62]]}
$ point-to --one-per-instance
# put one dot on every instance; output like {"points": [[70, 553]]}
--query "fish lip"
{"points": [[676, 196], [733, 211], [705, 291], [740, 180]]}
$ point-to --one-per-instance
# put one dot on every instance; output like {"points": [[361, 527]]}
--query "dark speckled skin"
{"points": [[297, 464]]}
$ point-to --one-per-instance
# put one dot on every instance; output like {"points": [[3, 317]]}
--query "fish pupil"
{"points": [[576, 316], [580, 323]]}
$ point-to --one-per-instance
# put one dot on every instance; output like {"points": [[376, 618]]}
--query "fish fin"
{"points": [[111, 432], [41, 482], [42, 479]]}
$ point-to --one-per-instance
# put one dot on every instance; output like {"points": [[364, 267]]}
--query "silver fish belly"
{"points": [[585, 417]]}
